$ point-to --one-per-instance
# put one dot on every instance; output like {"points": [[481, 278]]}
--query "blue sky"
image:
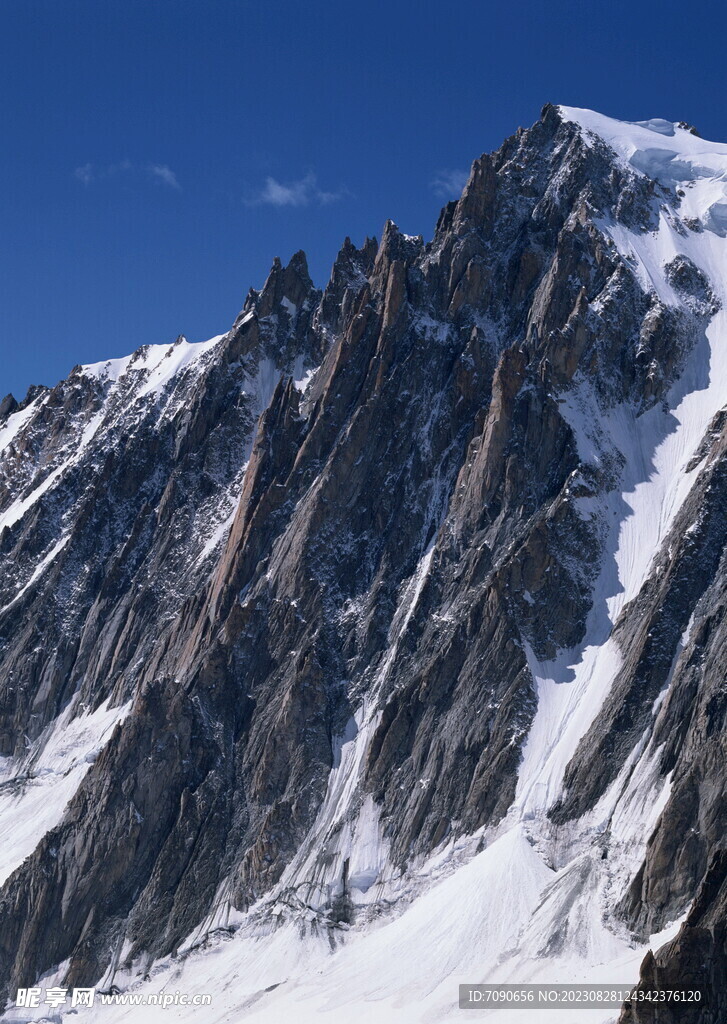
{"points": [[157, 154]]}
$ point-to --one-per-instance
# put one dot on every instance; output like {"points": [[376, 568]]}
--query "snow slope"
{"points": [[162, 362], [34, 793], [657, 446], [485, 921]]}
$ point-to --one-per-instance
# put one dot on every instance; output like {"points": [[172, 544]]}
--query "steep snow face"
{"points": [[161, 362], [35, 790], [657, 446], [16, 422], [73, 456]]}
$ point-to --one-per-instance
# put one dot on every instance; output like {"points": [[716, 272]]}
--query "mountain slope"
{"points": [[393, 608]]}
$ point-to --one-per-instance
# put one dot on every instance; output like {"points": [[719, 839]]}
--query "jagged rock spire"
{"points": [[8, 406], [292, 282]]}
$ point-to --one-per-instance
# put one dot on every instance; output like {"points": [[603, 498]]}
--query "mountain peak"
{"points": [[291, 284], [670, 153], [628, 136], [406, 598]]}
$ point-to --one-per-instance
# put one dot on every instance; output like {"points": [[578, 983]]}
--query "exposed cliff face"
{"points": [[430, 562], [696, 959]]}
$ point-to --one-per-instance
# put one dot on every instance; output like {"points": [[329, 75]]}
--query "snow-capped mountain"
{"points": [[378, 644]]}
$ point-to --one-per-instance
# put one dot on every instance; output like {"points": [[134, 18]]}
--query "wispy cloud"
{"points": [[449, 184], [165, 174], [161, 173], [303, 192], [84, 174]]}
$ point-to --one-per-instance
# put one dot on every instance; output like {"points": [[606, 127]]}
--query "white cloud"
{"points": [[84, 174], [165, 174], [158, 172], [449, 184], [303, 192], [295, 194]]}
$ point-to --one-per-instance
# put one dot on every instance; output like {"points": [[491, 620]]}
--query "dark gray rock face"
{"points": [[250, 555], [696, 960]]}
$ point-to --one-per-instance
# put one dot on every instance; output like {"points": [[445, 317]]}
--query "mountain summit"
{"points": [[378, 644]]}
